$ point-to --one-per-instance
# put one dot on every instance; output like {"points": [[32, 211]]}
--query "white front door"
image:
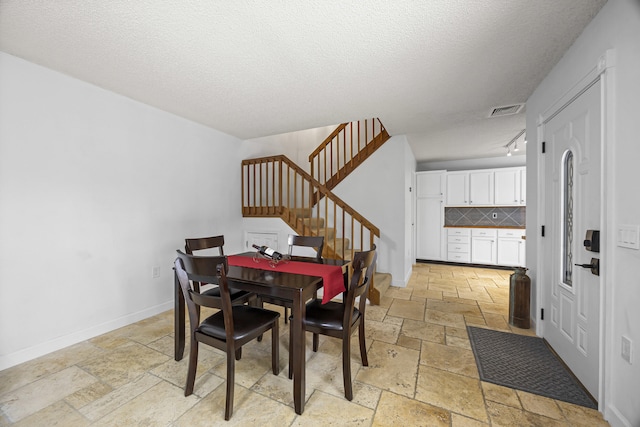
{"points": [[572, 200]]}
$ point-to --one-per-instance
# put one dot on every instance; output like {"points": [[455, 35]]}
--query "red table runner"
{"points": [[332, 278]]}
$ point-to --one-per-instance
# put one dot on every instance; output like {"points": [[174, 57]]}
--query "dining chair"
{"points": [[314, 242], [339, 319], [216, 242], [229, 328]]}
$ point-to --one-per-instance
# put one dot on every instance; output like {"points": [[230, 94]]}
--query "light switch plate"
{"points": [[626, 349], [628, 236]]}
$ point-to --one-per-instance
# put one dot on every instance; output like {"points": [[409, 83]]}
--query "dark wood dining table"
{"points": [[298, 288]]}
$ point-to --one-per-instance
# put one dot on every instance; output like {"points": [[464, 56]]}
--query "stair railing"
{"points": [[344, 149], [275, 186]]}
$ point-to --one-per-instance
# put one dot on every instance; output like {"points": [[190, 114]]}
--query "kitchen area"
{"points": [[475, 217]]}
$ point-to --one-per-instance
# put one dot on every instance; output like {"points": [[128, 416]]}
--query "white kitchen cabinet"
{"points": [[481, 188], [430, 184], [510, 187], [430, 238], [487, 187], [457, 188], [484, 246], [458, 247], [511, 247], [523, 186], [429, 223], [470, 188]]}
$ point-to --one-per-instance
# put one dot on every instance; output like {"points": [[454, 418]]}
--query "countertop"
{"points": [[485, 226]]}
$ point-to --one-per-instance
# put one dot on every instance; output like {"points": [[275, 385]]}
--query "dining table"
{"points": [[298, 288]]}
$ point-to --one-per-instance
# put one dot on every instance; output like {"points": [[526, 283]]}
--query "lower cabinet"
{"points": [[511, 247], [484, 246], [488, 246], [458, 249]]}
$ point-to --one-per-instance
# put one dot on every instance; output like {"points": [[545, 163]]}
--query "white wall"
{"points": [[409, 211], [95, 190], [616, 27], [379, 190]]}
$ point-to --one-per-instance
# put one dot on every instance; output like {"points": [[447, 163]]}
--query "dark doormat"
{"points": [[525, 363]]}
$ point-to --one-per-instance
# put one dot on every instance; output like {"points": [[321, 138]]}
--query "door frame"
{"points": [[602, 71]]}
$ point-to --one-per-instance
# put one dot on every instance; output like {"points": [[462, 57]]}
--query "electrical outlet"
{"points": [[155, 272], [626, 349]]}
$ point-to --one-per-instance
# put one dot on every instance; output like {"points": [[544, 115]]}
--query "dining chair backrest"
{"points": [[202, 243], [202, 269], [363, 265], [189, 267], [315, 242]]}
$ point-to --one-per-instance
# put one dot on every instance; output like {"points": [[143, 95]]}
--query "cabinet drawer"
{"points": [[458, 239], [458, 232], [513, 233], [459, 257], [484, 232], [458, 247]]}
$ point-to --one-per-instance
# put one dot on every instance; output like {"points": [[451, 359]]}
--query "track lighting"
{"points": [[514, 142]]}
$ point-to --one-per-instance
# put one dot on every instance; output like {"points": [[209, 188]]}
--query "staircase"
{"points": [[275, 186]]}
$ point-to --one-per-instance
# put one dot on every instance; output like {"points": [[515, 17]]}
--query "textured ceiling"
{"points": [[432, 70]]}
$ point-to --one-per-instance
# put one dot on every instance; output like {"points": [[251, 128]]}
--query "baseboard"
{"points": [[47, 347], [464, 264], [615, 418]]}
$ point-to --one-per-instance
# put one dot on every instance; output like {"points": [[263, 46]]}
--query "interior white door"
{"points": [[572, 200]]}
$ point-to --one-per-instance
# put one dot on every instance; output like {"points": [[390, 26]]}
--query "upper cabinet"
{"points": [[481, 188], [430, 184], [510, 186], [457, 188], [487, 187]]}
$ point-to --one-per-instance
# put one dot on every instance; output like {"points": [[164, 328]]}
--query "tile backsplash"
{"points": [[505, 216]]}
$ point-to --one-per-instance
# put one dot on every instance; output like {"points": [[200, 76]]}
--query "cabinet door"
{"points": [[429, 228], [457, 188], [511, 252], [483, 250], [481, 188], [430, 184], [523, 186], [507, 187]]}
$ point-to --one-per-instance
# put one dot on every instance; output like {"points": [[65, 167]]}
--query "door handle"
{"points": [[594, 266]]}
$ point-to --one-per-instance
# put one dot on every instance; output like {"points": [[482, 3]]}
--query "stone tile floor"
{"points": [[421, 372]]}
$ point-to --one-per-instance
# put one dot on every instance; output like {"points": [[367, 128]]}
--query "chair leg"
{"points": [[316, 341], [286, 315], [346, 366], [228, 408], [290, 353], [257, 302], [193, 365], [275, 348], [239, 353], [363, 344]]}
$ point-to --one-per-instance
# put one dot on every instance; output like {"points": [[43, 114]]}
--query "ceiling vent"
{"points": [[507, 110]]}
